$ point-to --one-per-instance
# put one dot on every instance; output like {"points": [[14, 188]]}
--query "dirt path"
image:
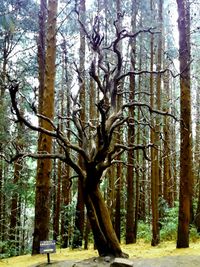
{"points": [[167, 261]]}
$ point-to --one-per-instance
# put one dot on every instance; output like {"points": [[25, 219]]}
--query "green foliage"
{"points": [[194, 236], [144, 231], [8, 249], [169, 223], [7, 23]]}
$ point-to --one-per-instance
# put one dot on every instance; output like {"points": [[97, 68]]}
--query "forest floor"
{"points": [[141, 254]]}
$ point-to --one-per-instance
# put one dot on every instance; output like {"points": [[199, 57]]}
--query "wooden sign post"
{"points": [[47, 247]]}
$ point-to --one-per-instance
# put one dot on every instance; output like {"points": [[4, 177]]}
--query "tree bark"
{"points": [[186, 176], [6, 51], [130, 211], [197, 150], [15, 204], [105, 237], [80, 214], [154, 159], [119, 181], [43, 179]]}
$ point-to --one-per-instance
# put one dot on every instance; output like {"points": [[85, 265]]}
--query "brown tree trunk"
{"points": [[117, 221], [197, 151], [6, 51], [168, 184], [80, 214], [57, 200], [130, 223], [65, 230], [142, 180], [58, 180], [43, 179], [167, 177], [154, 159], [186, 176], [111, 191], [158, 94], [105, 237], [174, 157], [14, 216], [65, 218]]}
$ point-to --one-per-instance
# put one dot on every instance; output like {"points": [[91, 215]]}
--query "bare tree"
{"points": [[93, 141]]}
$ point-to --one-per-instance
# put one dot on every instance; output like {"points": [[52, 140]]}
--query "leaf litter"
{"points": [[141, 254]]}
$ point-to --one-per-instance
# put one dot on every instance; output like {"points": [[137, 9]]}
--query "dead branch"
{"points": [[151, 110], [21, 155], [57, 134], [133, 148]]}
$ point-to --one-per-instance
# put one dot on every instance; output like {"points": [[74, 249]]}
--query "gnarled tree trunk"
{"points": [[104, 235]]}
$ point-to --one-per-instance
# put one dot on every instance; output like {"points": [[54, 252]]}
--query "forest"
{"points": [[99, 124]]}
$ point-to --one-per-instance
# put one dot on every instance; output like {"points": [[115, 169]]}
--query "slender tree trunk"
{"points": [[130, 223], [154, 160], [111, 191], [14, 203], [186, 177], [142, 181], [158, 94], [197, 150], [117, 221], [43, 180], [65, 220], [168, 184], [57, 183], [175, 171], [65, 183], [57, 200], [80, 215], [6, 48]]}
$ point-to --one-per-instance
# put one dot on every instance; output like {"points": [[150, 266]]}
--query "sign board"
{"points": [[47, 246]]}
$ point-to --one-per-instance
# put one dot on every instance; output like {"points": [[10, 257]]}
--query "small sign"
{"points": [[47, 246]]}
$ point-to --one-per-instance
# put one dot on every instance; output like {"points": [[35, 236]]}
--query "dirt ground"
{"points": [[167, 261], [142, 254]]}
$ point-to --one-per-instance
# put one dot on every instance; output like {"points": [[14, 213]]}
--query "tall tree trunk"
{"points": [[130, 211], [57, 200], [154, 159], [142, 194], [158, 92], [65, 218], [65, 183], [197, 150], [117, 221], [14, 202], [57, 183], [186, 177], [15, 210], [80, 215], [6, 51], [168, 184], [43, 179]]}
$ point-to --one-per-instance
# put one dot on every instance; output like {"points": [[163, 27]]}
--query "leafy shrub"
{"points": [[169, 223], [144, 231], [194, 236], [7, 249]]}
